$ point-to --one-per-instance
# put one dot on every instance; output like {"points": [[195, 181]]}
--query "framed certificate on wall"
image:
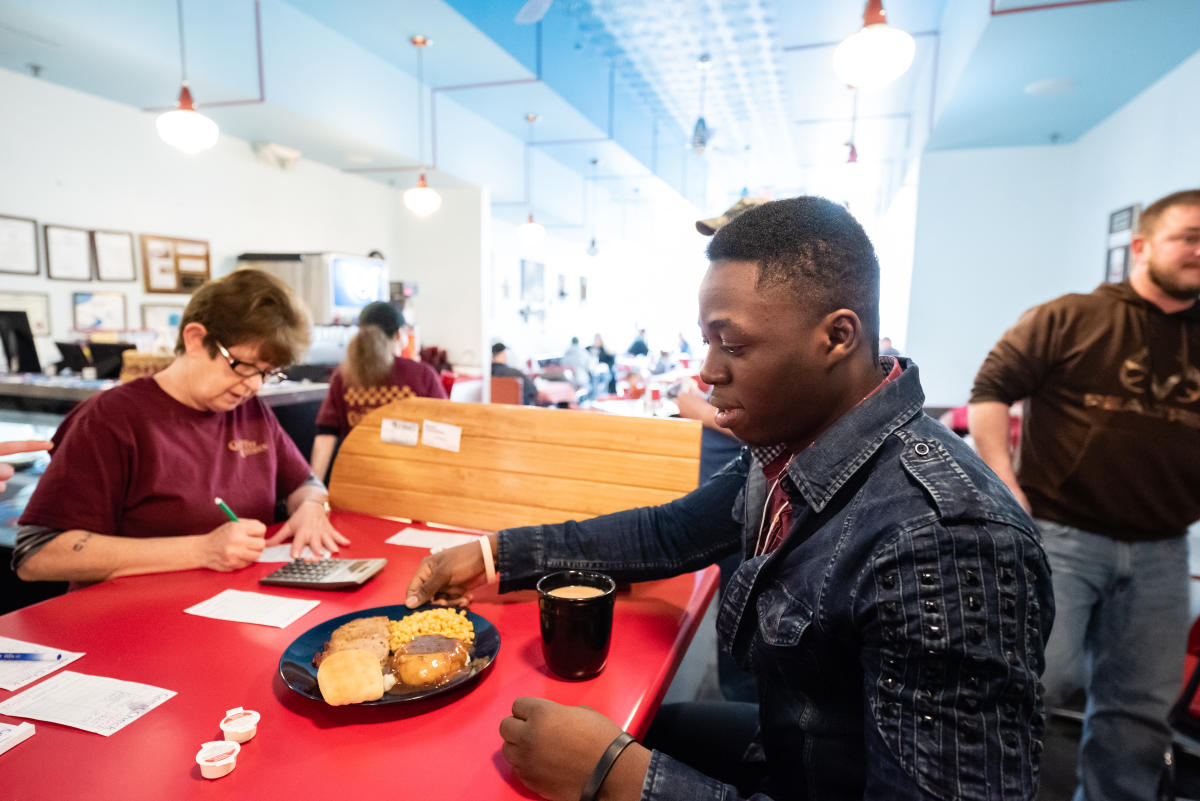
{"points": [[18, 246], [114, 255], [68, 253]]}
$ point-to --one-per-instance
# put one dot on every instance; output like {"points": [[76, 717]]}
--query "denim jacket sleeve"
{"points": [[952, 620], [634, 545]]}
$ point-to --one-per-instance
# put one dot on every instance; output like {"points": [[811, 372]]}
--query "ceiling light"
{"points": [[421, 200], [184, 128], [531, 234], [875, 56]]}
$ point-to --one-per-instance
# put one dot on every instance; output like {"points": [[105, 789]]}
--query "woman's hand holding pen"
{"points": [[233, 545]]}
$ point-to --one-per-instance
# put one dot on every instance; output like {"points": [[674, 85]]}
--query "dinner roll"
{"points": [[350, 677]]}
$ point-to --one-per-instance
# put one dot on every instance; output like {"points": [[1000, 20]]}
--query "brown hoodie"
{"points": [[1111, 439]]}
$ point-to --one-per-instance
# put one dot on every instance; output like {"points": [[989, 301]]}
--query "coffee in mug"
{"points": [[576, 608]]}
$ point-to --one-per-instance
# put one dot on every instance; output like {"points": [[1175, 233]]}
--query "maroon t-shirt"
{"points": [[345, 406], [133, 461]]}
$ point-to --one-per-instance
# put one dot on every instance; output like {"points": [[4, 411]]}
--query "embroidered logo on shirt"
{"points": [[1135, 376], [247, 447]]}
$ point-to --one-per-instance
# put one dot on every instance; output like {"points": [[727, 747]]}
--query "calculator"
{"points": [[324, 574]]}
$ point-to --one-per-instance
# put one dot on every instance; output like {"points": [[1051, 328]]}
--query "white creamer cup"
{"points": [[239, 725], [217, 758]]}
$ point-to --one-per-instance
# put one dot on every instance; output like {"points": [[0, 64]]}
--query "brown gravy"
{"points": [[576, 591]]}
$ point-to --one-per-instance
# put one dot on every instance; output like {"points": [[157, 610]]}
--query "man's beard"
{"points": [[1170, 286]]}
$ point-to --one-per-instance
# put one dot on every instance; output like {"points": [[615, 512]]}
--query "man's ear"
{"points": [[843, 334], [193, 338], [1137, 246]]}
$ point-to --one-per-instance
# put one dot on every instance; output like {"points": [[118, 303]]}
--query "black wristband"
{"points": [[592, 788]]}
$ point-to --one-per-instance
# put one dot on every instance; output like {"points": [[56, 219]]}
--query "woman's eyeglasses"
{"points": [[248, 370]]}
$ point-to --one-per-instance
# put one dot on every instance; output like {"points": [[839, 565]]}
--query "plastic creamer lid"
{"points": [[217, 753], [237, 719]]}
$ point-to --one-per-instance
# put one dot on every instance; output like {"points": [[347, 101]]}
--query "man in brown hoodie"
{"points": [[1109, 466]]}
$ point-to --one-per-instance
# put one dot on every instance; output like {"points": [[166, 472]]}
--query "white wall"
{"points": [[1002, 229], [74, 159]]}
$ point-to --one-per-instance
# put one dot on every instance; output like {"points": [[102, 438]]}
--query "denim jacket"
{"points": [[897, 632]]}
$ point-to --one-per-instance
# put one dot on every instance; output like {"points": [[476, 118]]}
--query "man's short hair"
{"points": [[1153, 213], [249, 306], [497, 349], [812, 246]]}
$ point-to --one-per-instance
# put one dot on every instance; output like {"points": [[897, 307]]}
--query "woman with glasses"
{"points": [[135, 470], [374, 374]]}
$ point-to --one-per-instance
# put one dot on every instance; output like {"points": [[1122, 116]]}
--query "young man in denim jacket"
{"points": [[893, 599]]}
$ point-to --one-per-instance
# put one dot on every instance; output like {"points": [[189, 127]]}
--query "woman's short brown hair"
{"points": [[249, 306]]}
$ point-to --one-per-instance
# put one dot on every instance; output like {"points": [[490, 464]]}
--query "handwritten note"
{"points": [[92, 703], [253, 607], [441, 435], [15, 675], [399, 432]]}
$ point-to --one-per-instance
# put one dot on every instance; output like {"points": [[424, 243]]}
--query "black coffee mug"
{"points": [[576, 609]]}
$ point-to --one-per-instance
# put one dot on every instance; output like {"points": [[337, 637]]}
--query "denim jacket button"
{"points": [[921, 448], [928, 578], [971, 578], [888, 580], [931, 605]]}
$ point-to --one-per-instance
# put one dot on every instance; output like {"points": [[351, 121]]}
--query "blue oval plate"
{"points": [[297, 671]]}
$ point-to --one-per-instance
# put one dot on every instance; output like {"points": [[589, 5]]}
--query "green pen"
{"points": [[228, 512]]}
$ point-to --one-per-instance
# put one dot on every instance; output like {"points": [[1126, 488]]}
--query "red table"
{"points": [[135, 629]]}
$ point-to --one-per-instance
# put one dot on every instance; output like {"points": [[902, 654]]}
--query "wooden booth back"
{"points": [[516, 465]]}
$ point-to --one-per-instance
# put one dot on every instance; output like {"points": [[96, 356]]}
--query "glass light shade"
{"points": [[531, 234], [421, 200], [874, 57], [187, 130]]}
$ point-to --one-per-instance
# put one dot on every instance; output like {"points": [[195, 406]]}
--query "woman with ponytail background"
{"points": [[374, 374]]}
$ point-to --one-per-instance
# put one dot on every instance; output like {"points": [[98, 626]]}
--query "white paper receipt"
{"points": [[43, 660], [253, 607], [92, 703], [441, 435], [399, 432], [433, 540]]}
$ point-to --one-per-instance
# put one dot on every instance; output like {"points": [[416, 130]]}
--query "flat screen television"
{"points": [[355, 282]]}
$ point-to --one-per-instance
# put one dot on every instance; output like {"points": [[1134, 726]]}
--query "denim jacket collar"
{"points": [[821, 469]]}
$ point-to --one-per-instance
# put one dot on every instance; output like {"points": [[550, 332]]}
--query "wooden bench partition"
{"points": [[517, 465]]}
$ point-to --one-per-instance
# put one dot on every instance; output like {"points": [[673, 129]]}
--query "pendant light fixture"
{"points": [[852, 157], [530, 233], [875, 56], [592, 249], [701, 133], [184, 128], [420, 199]]}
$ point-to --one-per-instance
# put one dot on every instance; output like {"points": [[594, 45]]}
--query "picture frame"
{"points": [[533, 282], [1122, 225], [68, 253], [174, 265], [163, 319], [98, 311], [36, 306], [114, 256], [18, 245]]}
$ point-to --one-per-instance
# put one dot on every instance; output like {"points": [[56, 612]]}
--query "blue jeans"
{"points": [[1120, 632]]}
